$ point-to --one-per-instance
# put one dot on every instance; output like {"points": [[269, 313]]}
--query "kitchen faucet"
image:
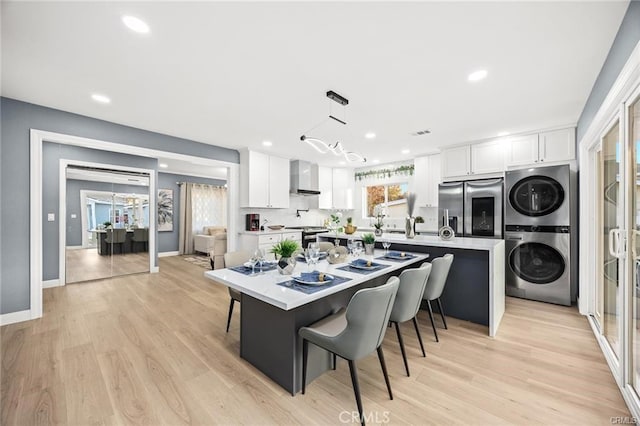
{"points": [[299, 210]]}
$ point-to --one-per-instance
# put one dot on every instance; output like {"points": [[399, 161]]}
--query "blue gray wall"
{"points": [[624, 43], [16, 119], [74, 225], [168, 241]]}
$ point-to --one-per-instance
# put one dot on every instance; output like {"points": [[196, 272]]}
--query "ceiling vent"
{"points": [[421, 132]]}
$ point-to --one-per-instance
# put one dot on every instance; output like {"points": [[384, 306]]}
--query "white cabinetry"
{"points": [[545, 147], [264, 180], [476, 159], [427, 177], [266, 240], [336, 188]]}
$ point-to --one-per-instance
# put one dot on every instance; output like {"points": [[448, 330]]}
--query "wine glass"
{"points": [[259, 256], [385, 245], [307, 258], [253, 261]]}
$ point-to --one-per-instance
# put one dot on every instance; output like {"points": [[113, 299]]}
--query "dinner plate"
{"points": [[365, 267], [327, 279], [398, 256]]}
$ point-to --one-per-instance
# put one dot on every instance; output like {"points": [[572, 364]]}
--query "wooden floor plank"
{"points": [[152, 349]]}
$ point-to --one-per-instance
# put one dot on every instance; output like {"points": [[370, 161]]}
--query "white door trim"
{"points": [[36, 140]]}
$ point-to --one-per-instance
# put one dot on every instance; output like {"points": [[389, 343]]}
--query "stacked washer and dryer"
{"points": [[541, 234]]}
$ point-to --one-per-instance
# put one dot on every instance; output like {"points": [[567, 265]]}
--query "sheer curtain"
{"points": [[200, 205]]}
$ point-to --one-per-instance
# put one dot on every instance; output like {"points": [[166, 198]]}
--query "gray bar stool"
{"points": [[141, 235], [407, 303], [355, 332], [234, 258], [435, 286], [116, 236]]}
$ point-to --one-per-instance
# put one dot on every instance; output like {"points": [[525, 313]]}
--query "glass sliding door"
{"points": [[633, 114], [611, 217]]}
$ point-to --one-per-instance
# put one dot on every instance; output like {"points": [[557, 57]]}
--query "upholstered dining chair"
{"points": [[407, 303], [234, 258], [354, 332], [440, 267], [116, 236], [141, 235]]}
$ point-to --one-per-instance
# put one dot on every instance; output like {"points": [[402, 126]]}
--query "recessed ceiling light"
{"points": [[101, 98], [267, 143], [163, 165], [342, 163], [370, 135], [405, 151], [477, 75], [503, 134], [375, 161], [135, 24]]}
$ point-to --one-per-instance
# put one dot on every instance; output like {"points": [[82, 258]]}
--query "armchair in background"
{"points": [[212, 241]]}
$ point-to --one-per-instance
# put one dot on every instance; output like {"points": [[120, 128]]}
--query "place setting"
{"points": [[362, 266], [256, 265], [312, 282]]}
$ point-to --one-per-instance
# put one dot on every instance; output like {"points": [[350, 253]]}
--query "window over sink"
{"points": [[390, 199]]}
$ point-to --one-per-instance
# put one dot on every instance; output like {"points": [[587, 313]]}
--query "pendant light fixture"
{"points": [[336, 148]]}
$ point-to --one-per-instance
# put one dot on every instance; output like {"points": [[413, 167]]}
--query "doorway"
{"points": [[107, 224]]}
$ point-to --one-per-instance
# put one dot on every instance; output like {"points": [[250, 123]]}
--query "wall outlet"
{"points": [[51, 217], [73, 215]]}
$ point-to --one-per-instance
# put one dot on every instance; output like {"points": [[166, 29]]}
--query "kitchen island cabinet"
{"points": [[475, 288]]}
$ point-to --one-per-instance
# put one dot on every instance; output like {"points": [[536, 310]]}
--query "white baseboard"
{"points": [[13, 317], [168, 253], [77, 247], [51, 283], [155, 270]]}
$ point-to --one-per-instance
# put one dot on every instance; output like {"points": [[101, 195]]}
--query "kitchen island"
{"points": [[475, 288], [274, 309]]}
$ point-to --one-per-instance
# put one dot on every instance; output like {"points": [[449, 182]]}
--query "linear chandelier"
{"points": [[336, 148]]}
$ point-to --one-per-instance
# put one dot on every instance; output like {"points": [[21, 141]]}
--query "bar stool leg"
{"points": [[305, 353], [383, 364], [415, 324], [356, 388], [444, 320], [230, 313], [404, 354], [433, 324]]}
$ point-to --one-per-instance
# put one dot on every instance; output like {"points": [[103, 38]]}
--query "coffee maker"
{"points": [[252, 222]]}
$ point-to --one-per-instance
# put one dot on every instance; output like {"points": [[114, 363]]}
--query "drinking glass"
{"points": [[253, 260], [307, 258], [385, 245], [350, 242], [314, 252], [357, 248]]}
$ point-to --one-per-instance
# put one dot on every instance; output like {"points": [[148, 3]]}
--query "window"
{"points": [[391, 198]]}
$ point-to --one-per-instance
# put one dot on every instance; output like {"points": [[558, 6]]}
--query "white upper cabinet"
{"points": [[264, 180], [522, 150], [545, 147], [456, 161], [325, 186], [468, 160], [426, 175], [559, 145], [343, 188]]}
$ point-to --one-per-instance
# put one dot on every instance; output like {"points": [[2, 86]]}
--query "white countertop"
{"points": [[428, 240], [269, 231], [263, 287]]}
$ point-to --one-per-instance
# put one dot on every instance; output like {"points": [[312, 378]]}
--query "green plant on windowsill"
{"points": [[107, 224], [285, 248], [368, 239]]}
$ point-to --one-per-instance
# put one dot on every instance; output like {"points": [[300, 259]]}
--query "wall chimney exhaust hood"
{"points": [[304, 178]]}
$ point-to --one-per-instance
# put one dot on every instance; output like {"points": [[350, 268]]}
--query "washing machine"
{"points": [[538, 196], [538, 263]]}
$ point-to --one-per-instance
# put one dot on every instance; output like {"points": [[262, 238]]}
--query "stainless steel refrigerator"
{"points": [[475, 208]]}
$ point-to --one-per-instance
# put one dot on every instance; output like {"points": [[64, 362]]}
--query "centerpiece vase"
{"points": [[378, 232], [368, 249], [410, 227], [286, 265]]}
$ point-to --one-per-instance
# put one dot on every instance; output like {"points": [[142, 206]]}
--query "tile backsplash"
{"points": [[287, 217]]}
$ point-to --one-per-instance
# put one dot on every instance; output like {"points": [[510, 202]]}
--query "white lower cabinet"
{"points": [[266, 240]]}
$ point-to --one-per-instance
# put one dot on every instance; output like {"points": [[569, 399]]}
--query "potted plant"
{"points": [[285, 250], [107, 225], [350, 229], [369, 241], [378, 224]]}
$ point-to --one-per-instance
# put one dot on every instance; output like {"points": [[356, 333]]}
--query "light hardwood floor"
{"points": [[87, 264], [151, 349]]}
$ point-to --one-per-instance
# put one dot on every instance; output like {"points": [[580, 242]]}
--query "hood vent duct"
{"points": [[304, 178]]}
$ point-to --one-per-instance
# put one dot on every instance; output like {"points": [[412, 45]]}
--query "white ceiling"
{"points": [[235, 74]]}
